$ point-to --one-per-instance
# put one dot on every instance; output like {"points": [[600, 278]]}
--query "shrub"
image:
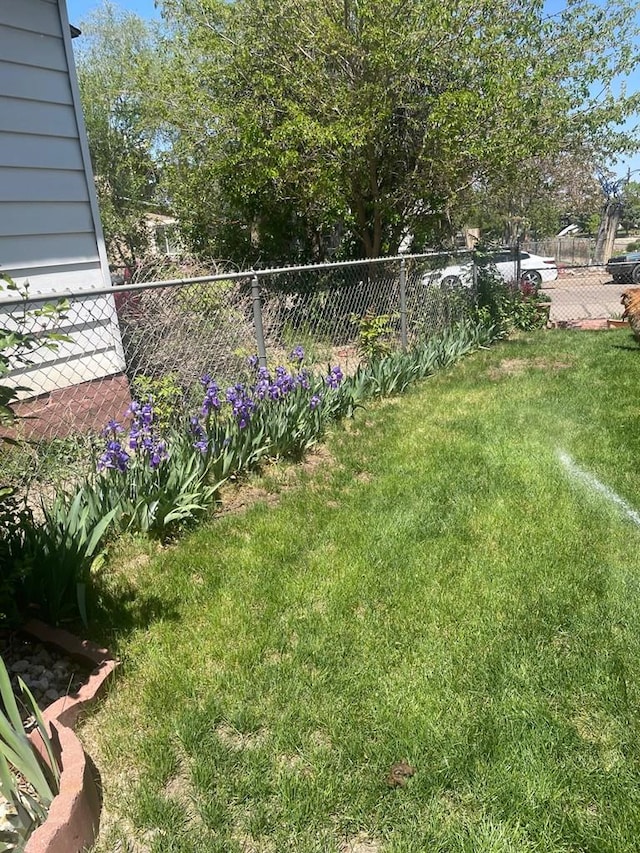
{"points": [[374, 335], [507, 305], [166, 394]]}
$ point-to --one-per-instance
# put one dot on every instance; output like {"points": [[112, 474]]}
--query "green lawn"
{"points": [[442, 590]]}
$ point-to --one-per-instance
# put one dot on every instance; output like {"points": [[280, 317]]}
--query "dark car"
{"points": [[625, 268]]}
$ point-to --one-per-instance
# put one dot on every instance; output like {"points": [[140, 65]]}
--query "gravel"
{"points": [[46, 672]]}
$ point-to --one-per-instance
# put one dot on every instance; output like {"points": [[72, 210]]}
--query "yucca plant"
{"points": [[19, 759]]}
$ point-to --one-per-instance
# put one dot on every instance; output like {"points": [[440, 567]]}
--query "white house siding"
{"points": [[50, 234]]}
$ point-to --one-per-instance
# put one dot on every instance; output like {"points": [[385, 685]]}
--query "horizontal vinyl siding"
{"points": [[35, 16], [40, 152], [27, 48], [21, 219], [37, 117], [36, 185], [94, 349], [46, 250], [35, 84], [64, 278], [47, 231]]}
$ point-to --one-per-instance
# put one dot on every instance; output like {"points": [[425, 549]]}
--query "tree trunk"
{"points": [[611, 215]]}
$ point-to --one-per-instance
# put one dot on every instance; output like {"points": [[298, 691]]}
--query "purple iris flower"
{"points": [[201, 442], [296, 354], [112, 428], [211, 401], [302, 379], [158, 454], [261, 389], [314, 402], [242, 405], [335, 377], [114, 457]]}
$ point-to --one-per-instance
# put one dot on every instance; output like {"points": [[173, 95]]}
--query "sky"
{"points": [[79, 9]]}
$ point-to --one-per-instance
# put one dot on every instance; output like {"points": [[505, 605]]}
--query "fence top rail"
{"points": [[231, 276]]}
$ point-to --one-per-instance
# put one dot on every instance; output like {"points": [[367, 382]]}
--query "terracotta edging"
{"points": [[74, 815]]}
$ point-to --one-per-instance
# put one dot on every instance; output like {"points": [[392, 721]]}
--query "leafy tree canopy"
{"points": [[544, 195], [383, 117], [118, 67], [283, 130]]}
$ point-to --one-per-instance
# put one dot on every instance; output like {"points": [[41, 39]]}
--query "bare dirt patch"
{"points": [[295, 763], [233, 739], [180, 789], [518, 366], [238, 496], [361, 843], [319, 456], [321, 740], [249, 844]]}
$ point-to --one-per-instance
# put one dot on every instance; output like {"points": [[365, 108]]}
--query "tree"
{"points": [[117, 63], [631, 205], [544, 195], [620, 201], [383, 117]]}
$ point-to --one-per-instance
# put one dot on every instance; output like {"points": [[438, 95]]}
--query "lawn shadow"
{"points": [[118, 611], [633, 347]]}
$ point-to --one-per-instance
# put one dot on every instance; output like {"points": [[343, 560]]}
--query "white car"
{"points": [[534, 270]]}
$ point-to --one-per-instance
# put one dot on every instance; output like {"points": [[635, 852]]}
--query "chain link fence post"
{"points": [[403, 303], [257, 322], [474, 278]]}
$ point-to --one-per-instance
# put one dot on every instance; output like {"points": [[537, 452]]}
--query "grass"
{"points": [[441, 591]]}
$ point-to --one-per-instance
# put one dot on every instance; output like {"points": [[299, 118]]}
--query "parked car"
{"points": [[625, 268], [534, 270]]}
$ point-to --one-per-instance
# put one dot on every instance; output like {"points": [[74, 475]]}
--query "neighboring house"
{"points": [[50, 232], [163, 241], [164, 238]]}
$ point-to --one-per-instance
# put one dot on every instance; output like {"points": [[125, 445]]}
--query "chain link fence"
{"points": [[573, 251], [158, 337]]}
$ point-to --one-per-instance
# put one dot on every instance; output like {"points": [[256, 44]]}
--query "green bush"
{"points": [[374, 335], [506, 305], [166, 394]]}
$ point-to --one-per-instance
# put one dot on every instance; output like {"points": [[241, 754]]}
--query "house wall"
{"points": [[50, 233]]}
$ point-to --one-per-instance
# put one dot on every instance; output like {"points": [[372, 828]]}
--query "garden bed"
{"points": [[79, 670]]}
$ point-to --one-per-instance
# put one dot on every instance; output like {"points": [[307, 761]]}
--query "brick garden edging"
{"points": [[74, 816]]}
